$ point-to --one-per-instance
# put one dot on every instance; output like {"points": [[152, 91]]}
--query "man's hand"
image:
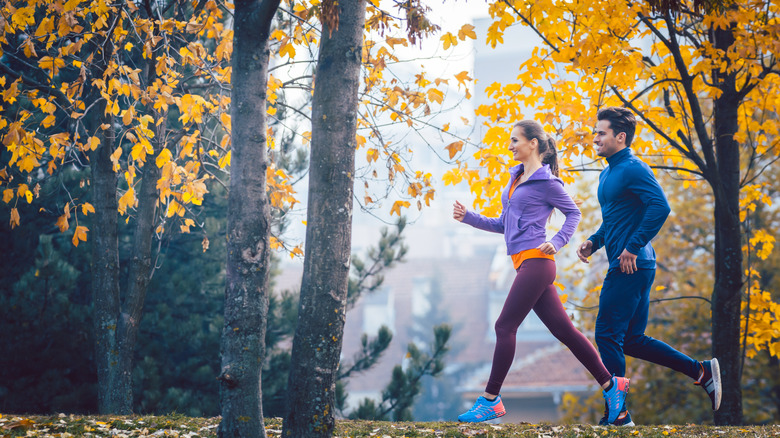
{"points": [[627, 262], [547, 248], [585, 250], [458, 211]]}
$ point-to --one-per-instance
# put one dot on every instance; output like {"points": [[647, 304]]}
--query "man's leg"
{"points": [[637, 344], [620, 296]]}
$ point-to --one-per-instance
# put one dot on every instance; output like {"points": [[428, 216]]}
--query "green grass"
{"points": [[68, 426]]}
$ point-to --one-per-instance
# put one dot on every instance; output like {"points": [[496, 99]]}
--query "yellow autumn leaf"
{"points": [[287, 50], [49, 121], [163, 157], [174, 208], [225, 160], [127, 116], [87, 208], [53, 65], [393, 41], [453, 148], [462, 77], [127, 200], [115, 158], [15, 219], [435, 95], [397, 205], [451, 177], [448, 40], [8, 195], [467, 31], [296, 252], [79, 234], [187, 224]]}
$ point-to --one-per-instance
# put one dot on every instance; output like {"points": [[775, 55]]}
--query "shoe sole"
{"points": [[492, 417], [716, 381]]}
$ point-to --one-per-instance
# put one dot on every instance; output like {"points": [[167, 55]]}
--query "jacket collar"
{"points": [[619, 157], [543, 173]]}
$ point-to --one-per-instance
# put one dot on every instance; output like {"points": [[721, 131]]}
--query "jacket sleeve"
{"points": [[597, 238], [492, 224], [642, 182], [560, 199]]}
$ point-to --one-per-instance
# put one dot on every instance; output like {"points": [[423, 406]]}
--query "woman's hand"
{"points": [[547, 248], [458, 211]]}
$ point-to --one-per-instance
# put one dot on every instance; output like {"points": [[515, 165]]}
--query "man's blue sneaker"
{"points": [[709, 379], [483, 410], [615, 398], [623, 419]]}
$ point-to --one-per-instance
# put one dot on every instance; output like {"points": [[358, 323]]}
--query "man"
{"points": [[633, 209]]}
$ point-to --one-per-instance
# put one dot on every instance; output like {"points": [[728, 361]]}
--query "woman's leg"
{"points": [[551, 312], [533, 276]]}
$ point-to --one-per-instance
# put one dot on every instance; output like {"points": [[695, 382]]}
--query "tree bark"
{"points": [[246, 289], [727, 293], [112, 397], [318, 338], [140, 269]]}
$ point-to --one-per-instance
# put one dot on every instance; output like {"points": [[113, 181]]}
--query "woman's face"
{"points": [[521, 147]]}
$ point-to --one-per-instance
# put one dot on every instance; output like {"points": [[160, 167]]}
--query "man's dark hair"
{"points": [[620, 120]]}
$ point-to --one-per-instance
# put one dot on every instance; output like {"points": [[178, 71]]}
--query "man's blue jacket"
{"points": [[633, 210]]}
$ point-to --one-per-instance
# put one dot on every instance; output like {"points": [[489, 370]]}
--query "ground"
{"points": [[68, 426]]}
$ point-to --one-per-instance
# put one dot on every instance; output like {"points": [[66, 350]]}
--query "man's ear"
{"points": [[621, 137]]}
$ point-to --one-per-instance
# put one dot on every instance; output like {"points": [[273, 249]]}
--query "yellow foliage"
{"points": [[128, 200], [80, 234], [454, 147], [448, 40], [15, 219], [397, 205]]}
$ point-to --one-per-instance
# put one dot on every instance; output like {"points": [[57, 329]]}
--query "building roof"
{"points": [[549, 369]]}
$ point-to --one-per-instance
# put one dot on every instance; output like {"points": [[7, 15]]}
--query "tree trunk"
{"points": [[113, 397], [246, 289], [140, 269], [318, 338], [727, 293]]}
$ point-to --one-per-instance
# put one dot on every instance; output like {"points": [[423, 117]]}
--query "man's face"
{"points": [[607, 144]]}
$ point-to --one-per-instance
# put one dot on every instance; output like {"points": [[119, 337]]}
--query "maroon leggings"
{"points": [[533, 289]]}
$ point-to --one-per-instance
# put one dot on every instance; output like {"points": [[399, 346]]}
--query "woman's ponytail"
{"points": [[550, 156]]}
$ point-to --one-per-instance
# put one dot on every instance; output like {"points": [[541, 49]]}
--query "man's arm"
{"points": [[597, 238], [642, 182]]}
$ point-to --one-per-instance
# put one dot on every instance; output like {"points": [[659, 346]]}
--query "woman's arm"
{"points": [[560, 199], [495, 225]]}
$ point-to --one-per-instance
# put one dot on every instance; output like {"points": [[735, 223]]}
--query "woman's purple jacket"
{"points": [[523, 218]]}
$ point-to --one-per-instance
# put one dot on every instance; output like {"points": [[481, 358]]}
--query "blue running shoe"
{"points": [[483, 410], [615, 398], [709, 379], [624, 419]]}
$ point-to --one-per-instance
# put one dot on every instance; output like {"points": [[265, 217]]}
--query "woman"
{"points": [[533, 191]]}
